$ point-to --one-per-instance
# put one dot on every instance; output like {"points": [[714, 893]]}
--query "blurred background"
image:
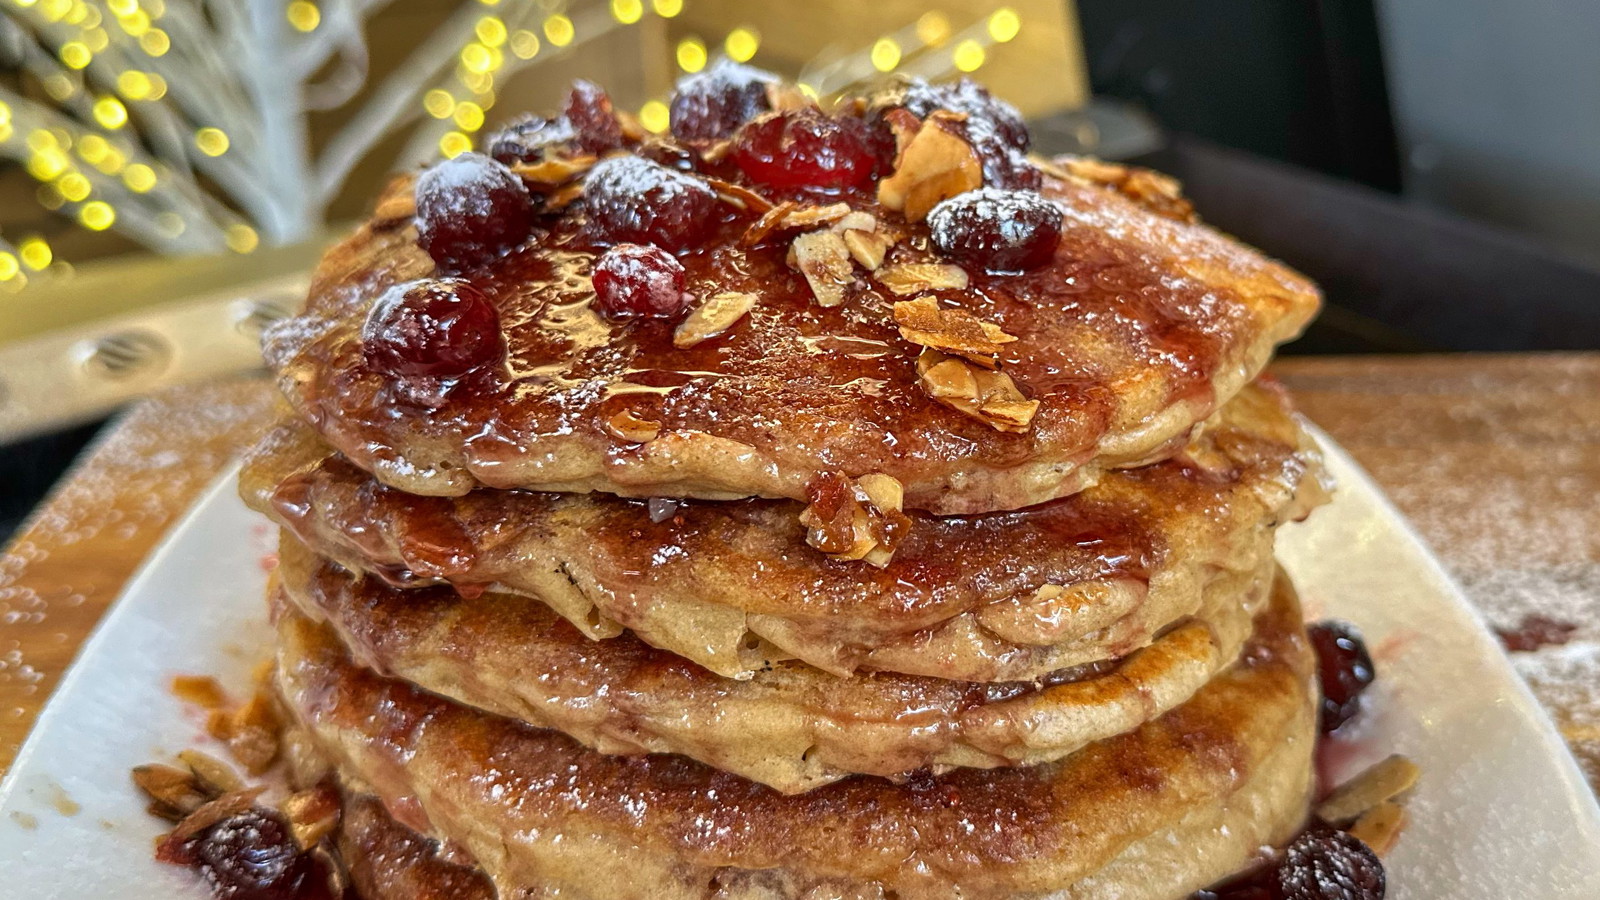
{"points": [[169, 169]]}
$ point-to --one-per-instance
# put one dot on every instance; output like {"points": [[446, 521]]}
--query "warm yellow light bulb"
{"points": [[666, 9], [93, 148], [110, 113], [155, 42], [303, 15], [122, 7], [137, 24], [47, 165], [558, 30], [454, 143], [627, 11], [8, 267], [524, 43], [491, 31], [1004, 23], [97, 215], [742, 44], [134, 84], [655, 116], [5, 113], [139, 178], [96, 39], [211, 141], [241, 238], [968, 56], [469, 116], [933, 28], [74, 186], [691, 54], [439, 103], [35, 253], [75, 54], [885, 54], [475, 58]]}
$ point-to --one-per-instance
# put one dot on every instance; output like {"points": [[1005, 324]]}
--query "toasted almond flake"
{"points": [[394, 209], [867, 248], [782, 97], [933, 165], [740, 196], [1380, 826], [763, 226], [224, 807], [856, 220], [1158, 192], [1382, 781], [562, 197], [955, 331], [914, 278], [824, 260], [809, 216], [989, 396], [556, 171], [201, 690], [250, 732], [716, 315], [312, 814], [633, 130], [717, 152], [212, 774], [175, 792], [855, 519], [629, 427]]}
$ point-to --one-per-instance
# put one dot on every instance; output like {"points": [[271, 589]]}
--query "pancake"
{"points": [[1156, 813], [1139, 326], [792, 726], [998, 597], [388, 861]]}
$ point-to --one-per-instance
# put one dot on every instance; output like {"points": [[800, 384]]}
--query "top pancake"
{"points": [[1139, 327]]}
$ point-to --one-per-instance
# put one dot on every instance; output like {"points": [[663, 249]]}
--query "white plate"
{"points": [[1502, 810]]}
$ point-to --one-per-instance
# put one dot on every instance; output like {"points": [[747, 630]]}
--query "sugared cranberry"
{"points": [[530, 138], [630, 280], [1322, 863], [993, 127], [252, 856], [593, 120], [470, 209], [637, 201], [1344, 668], [998, 230], [441, 329], [805, 148], [711, 105]]}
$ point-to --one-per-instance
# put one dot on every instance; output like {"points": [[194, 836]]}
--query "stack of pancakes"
{"points": [[547, 657]]}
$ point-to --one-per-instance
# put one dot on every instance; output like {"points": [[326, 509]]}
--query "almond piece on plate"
{"points": [[823, 258], [934, 163], [989, 396], [955, 331]]}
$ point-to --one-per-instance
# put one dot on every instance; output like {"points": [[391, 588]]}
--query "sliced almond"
{"points": [[395, 209], [867, 248], [824, 260], [213, 775], [562, 197], [250, 732], [990, 397], [201, 690], [1382, 781], [1380, 826], [312, 814], [1158, 192], [856, 220], [955, 331], [176, 792], [739, 196], [633, 130], [555, 171], [715, 316], [784, 97], [855, 519], [224, 807], [758, 231], [916, 278], [934, 164], [629, 427], [811, 216]]}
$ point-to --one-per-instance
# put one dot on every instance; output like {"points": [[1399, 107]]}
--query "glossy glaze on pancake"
{"points": [[998, 597], [1152, 814], [792, 726], [1139, 327]]}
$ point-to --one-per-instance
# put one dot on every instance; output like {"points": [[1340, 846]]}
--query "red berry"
{"points": [[593, 121], [252, 856], [712, 104], [805, 148], [998, 230], [471, 209], [1326, 864], [630, 280], [1344, 668], [441, 329], [637, 201]]}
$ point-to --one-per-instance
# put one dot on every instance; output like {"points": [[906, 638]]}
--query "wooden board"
{"points": [[1495, 458]]}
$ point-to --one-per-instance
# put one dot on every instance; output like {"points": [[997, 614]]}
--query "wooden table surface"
{"points": [[1496, 459]]}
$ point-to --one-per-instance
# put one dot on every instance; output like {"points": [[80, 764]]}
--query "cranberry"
{"points": [[592, 118], [252, 856], [470, 209], [993, 127], [712, 104], [529, 138], [638, 201], [442, 329], [805, 148], [1322, 863], [630, 280], [1344, 668], [999, 230]]}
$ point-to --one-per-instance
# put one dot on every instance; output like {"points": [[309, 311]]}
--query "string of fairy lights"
{"points": [[181, 123]]}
